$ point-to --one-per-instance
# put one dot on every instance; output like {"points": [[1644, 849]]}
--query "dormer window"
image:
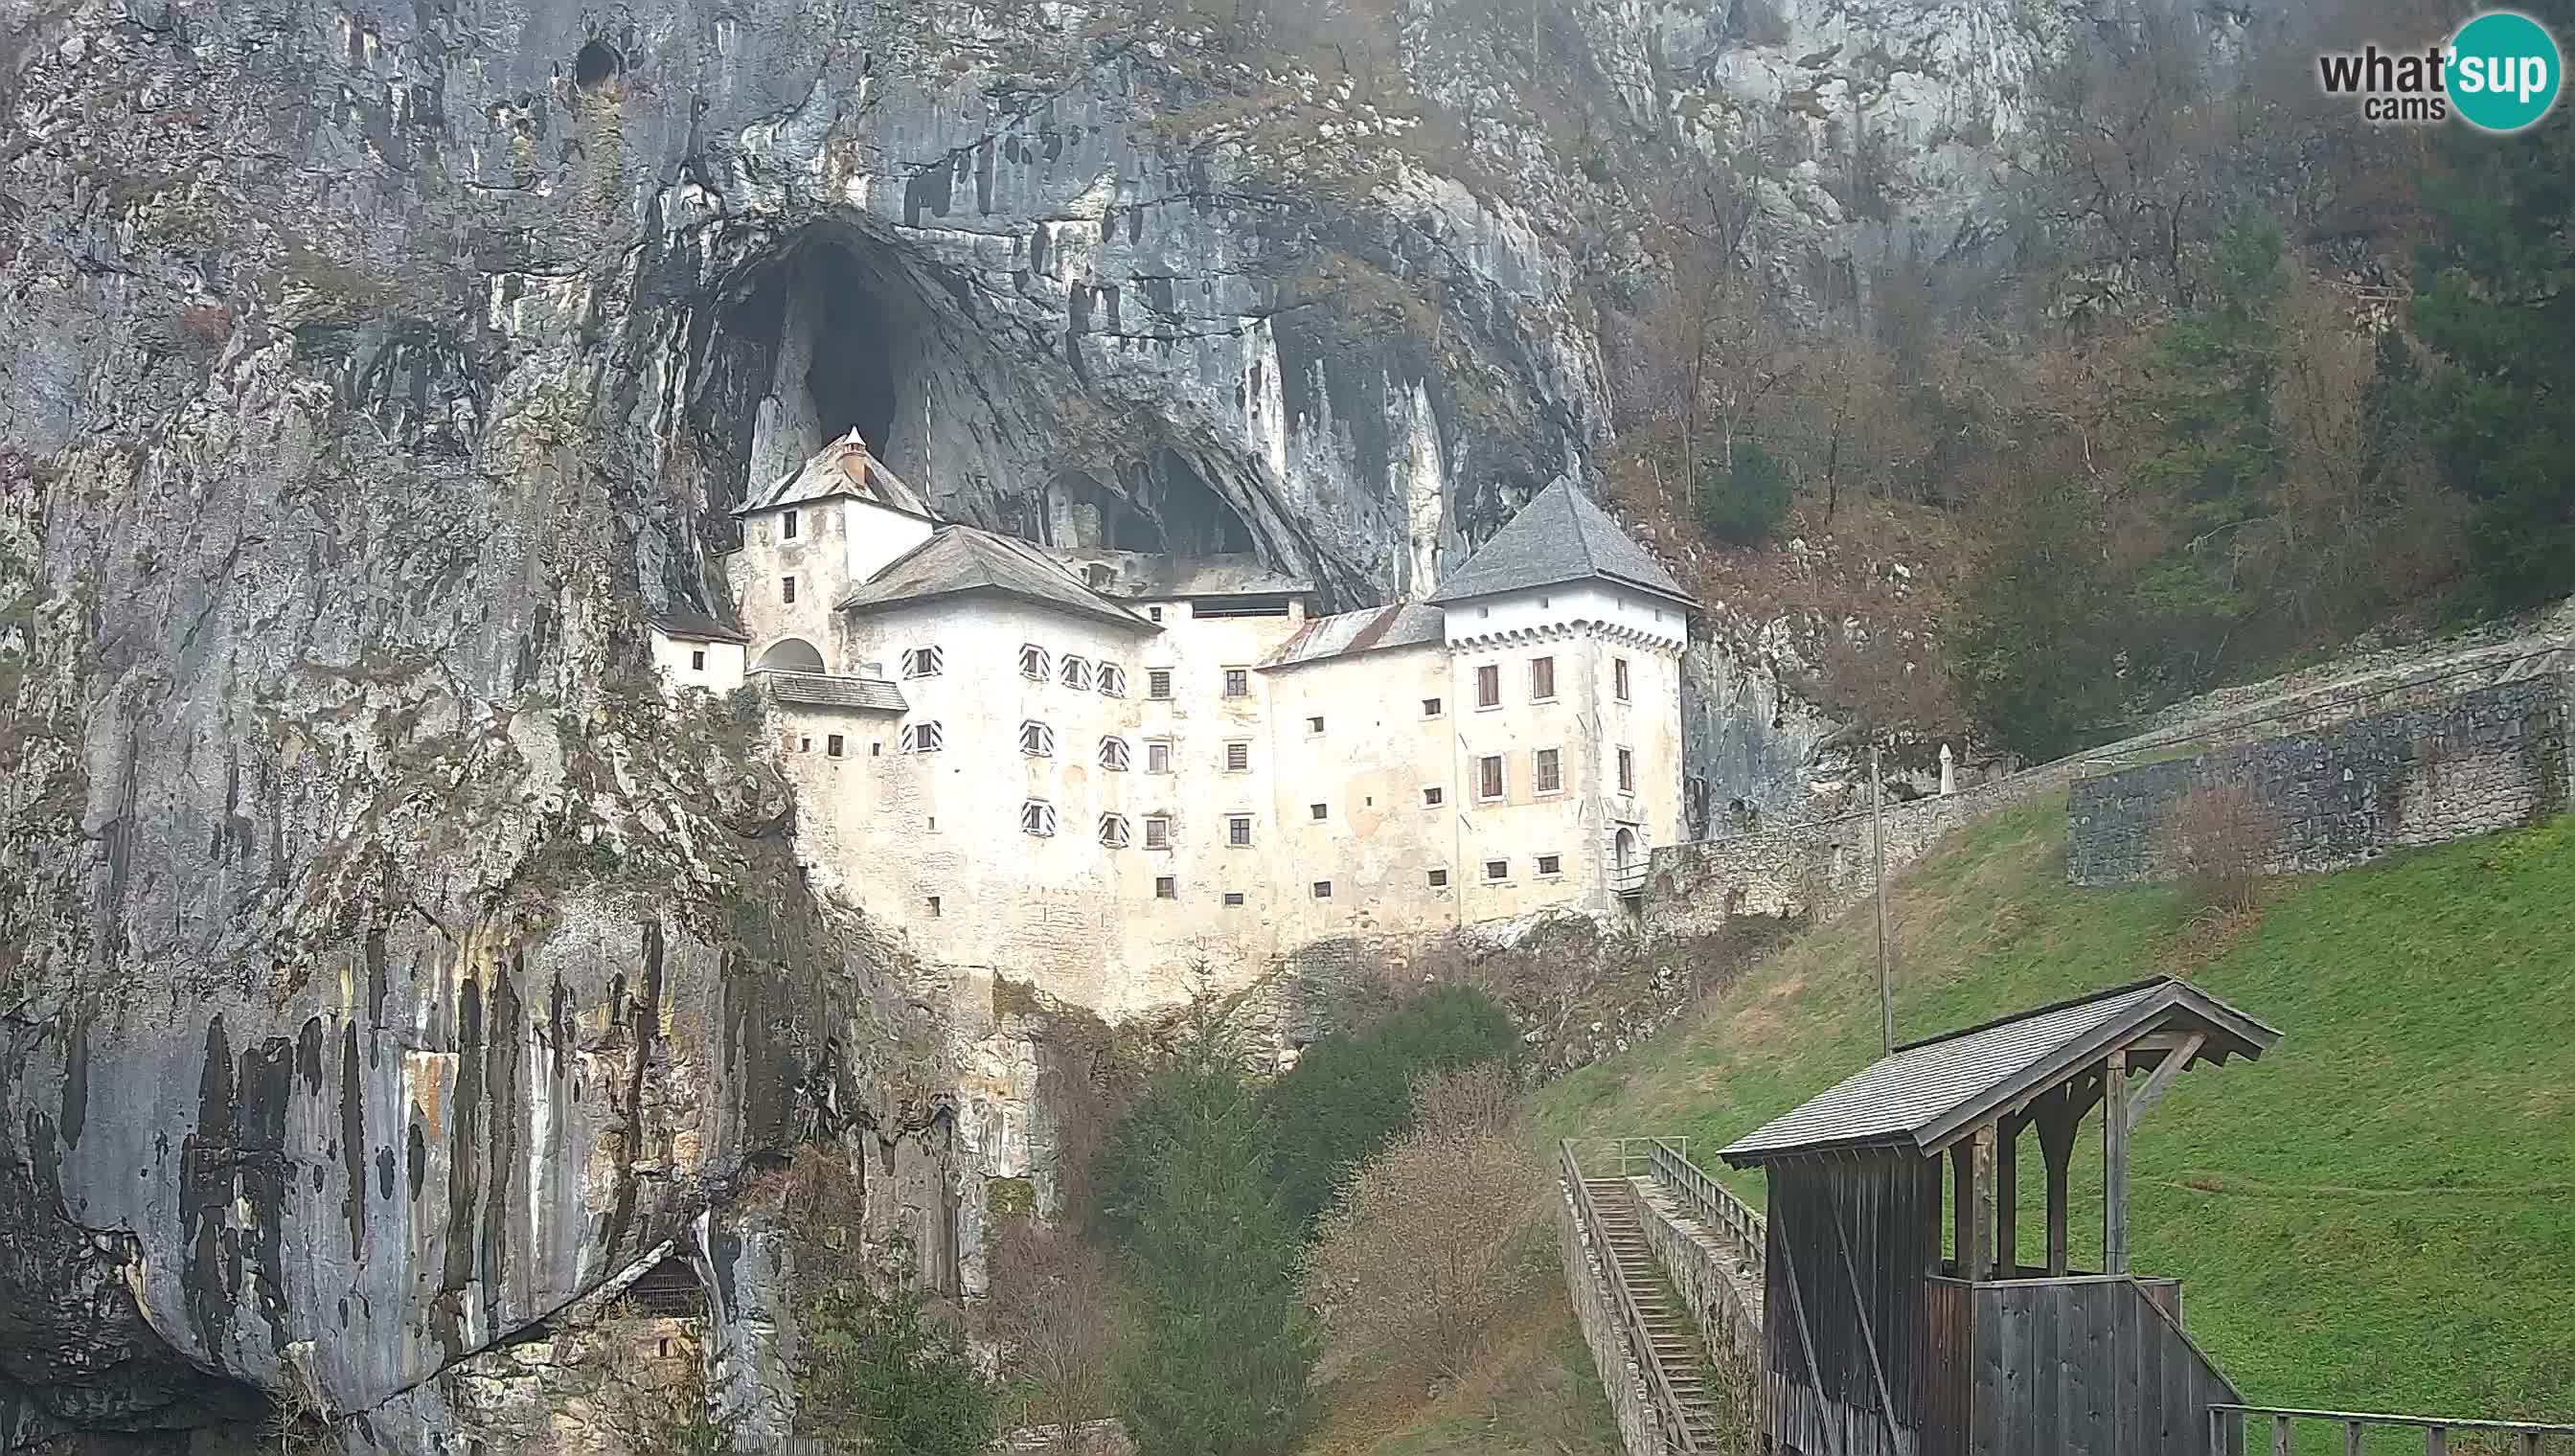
{"points": [[787, 526], [1076, 672], [1034, 663], [1036, 739]]}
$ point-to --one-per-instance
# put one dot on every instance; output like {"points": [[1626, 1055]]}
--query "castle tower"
{"points": [[806, 540]]}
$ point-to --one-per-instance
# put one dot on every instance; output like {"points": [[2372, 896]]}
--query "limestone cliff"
{"points": [[382, 966]]}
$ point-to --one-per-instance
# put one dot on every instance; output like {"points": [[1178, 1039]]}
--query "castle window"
{"points": [[1075, 674], [1233, 899], [1238, 683], [1158, 757], [1032, 662], [1430, 708], [1237, 831], [934, 907], [1158, 683], [1488, 777], [1113, 755], [1431, 797], [1155, 613], [832, 746], [1618, 678], [1158, 831], [1626, 771], [924, 662], [1036, 816], [1237, 757], [805, 745], [1036, 739], [1322, 889], [1550, 866], [1317, 808], [1112, 830], [1550, 771], [1113, 680], [923, 737], [1166, 888], [791, 526], [1541, 679], [1313, 724], [1489, 685], [1439, 879], [698, 662], [787, 590], [1497, 869]]}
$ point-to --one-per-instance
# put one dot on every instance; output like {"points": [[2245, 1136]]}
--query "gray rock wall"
{"points": [[2489, 758]]}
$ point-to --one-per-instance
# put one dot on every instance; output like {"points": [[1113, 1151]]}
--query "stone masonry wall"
{"points": [[1824, 866], [1587, 1283], [1721, 1286], [2492, 758]]}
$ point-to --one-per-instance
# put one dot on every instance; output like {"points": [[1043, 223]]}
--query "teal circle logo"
{"points": [[2503, 71]]}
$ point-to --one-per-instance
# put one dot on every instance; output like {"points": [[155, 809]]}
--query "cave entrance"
{"points": [[846, 329], [1187, 513], [1082, 514]]}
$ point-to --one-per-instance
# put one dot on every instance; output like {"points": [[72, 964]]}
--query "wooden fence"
{"points": [[1711, 1201]]}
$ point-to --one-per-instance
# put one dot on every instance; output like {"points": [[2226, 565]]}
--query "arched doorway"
{"points": [[790, 654], [1626, 868]]}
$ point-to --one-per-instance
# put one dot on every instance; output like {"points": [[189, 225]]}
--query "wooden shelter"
{"points": [[1876, 1345]]}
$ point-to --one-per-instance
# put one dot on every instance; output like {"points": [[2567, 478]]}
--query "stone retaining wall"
{"points": [[1586, 1281], [1824, 866], [2493, 758]]}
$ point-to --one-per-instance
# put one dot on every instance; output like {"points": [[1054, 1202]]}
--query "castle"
{"points": [[1106, 771]]}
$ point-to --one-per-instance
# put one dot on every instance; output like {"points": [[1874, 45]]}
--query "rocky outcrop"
{"points": [[383, 968]]}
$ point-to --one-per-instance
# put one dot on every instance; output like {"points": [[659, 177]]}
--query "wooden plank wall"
{"points": [[2086, 1368], [1846, 1312]]}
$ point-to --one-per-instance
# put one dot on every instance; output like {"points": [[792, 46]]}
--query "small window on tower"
{"points": [[1549, 770], [1237, 829], [1036, 816], [1112, 830], [1154, 613], [1313, 724], [1075, 674], [1158, 831], [1497, 869], [791, 526], [1233, 899], [1626, 771], [1036, 739], [1489, 685], [922, 737], [1238, 683], [1618, 678], [1158, 757], [1440, 879], [924, 662], [1034, 664], [1431, 797], [697, 662], [1430, 708], [1541, 679], [1113, 755], [1237, 757], [1488, 772], [1322, 889], [1166, 888], [934, 907], [1158, 683], [1317, 809], [832, 746], [1550, 866], [787, 590], [1113, 680]]}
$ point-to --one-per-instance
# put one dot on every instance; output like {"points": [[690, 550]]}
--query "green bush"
{"points": [[1349, 1096], [1745, 501], [876, 1376]]}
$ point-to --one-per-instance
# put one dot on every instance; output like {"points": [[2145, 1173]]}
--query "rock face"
{"points": [[382, 966]]}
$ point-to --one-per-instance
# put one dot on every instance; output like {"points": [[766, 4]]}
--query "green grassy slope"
{"points": [[2378, 1215], [1533, 1393]]}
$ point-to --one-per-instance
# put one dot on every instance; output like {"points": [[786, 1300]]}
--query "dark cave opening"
{"points": [[852, 377], [597, 63], [1191, 517], [1082, 513]]}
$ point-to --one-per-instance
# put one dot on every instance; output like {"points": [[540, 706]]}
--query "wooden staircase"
{"points": [[1676, 1346]]}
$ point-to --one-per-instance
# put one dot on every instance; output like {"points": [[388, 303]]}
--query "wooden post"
{"points": [[2437, 1441], [2114, 1164], [1877, 841], [1980, 1242], [2056, 1119], [1962, 1193], [2007, 1200]]}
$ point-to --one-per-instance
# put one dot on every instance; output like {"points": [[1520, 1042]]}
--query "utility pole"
{"points": [[1878, 838]]}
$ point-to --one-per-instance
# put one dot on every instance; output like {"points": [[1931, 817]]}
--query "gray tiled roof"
{"points": [[1558, 537], [960, 559], [843, 468], [1405, 624], [695, 626], [827, 689], [1926, 1092]]}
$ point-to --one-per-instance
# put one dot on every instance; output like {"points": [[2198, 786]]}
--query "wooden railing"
{"points": [[1677, 1436], [2227, 1422], [1714, 1204], [1629, 878]]}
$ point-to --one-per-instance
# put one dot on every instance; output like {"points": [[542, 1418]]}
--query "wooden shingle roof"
{"points": [[1928, 1093]]}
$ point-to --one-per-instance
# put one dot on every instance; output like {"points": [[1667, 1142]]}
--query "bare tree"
{"points": [[1058, 1326], [1435, 1239], [2219, 839]]}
